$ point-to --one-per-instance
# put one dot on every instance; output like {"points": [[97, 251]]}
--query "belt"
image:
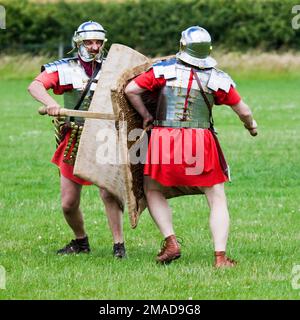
{"points": [[182, 124]]}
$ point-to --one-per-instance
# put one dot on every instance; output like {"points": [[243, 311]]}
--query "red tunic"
{"points": [[173, 173], [51, 81]]}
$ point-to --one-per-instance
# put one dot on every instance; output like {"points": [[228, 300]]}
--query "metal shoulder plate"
{"points": [[69, 72], [220, 80], [53, 66], [165, 68]]}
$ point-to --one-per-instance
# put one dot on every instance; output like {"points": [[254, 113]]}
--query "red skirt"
{"points": [[190, 159], [66, 169]]}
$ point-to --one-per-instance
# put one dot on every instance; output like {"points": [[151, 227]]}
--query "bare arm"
{"points": [[133, 93], [245, 114], [39, 92]]}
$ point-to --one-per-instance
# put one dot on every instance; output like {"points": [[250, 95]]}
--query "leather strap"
{"points": [[205, 98], [87, 88], [222, 159]]}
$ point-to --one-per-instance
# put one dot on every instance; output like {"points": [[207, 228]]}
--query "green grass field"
{"points": [[263, 200]]}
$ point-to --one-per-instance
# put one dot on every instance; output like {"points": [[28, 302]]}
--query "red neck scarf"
{"points": [[89, 67]]}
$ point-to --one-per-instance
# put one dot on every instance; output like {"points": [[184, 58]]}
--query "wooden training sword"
{"points": [[80, 113]]}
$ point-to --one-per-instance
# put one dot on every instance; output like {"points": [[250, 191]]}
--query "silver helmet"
{"points": [[89, 30], [195, 47]]}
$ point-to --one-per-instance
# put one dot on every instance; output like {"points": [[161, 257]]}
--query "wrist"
{"points": [[146, 115], [251, 126], [53, 105]]}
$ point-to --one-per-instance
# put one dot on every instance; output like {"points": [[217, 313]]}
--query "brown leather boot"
{"points": [[222, 261], [170, 250]]}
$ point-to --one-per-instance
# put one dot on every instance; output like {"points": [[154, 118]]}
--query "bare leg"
{"points": [[162, 215], [158, 206], [219, 224], [219, 216], [114, 215], [70, 199]]}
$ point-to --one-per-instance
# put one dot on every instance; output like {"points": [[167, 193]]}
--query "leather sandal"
{"points": [[222, 261]]}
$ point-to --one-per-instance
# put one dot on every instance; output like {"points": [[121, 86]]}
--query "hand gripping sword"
{"points": [[74, 113]]}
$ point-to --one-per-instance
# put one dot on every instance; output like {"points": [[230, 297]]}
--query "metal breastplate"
{"points": [[177, 108], [72, 97], [70, 72]]}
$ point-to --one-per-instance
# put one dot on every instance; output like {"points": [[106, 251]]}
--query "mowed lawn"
{"points": [[263, 199]]}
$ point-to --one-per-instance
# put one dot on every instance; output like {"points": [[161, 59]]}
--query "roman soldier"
{"points": [[183, 148], [76, 78]]}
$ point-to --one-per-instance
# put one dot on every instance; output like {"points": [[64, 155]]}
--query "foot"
{"points": [[119, 250], [222, 261], [170, 250], [76, 246]]}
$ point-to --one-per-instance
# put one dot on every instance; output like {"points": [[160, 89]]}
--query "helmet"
{"points": [[89, 30], [195, 47]]}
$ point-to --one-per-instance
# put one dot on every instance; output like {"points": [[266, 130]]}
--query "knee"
{"points": [[106, 196], [151, 186], [69, 206], [216, 192], [148, 190]]}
